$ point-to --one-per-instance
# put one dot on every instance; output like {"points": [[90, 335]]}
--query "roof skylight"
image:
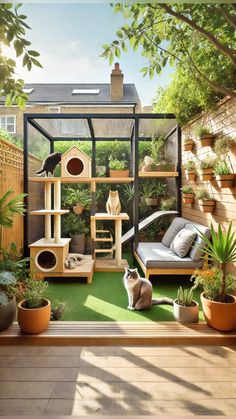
{"points": [[85, 91], [28, 90]]}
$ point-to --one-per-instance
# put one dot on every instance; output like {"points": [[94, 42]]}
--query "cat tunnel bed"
{"points": [[42, 235]]}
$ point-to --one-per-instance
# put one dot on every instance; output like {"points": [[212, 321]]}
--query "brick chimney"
{"points": [[116, 86]]}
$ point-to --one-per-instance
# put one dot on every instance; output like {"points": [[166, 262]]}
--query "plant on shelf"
{"points": [[158, 149], [149, 194], [76, 228], [190, 169], [206, 201], [188, 144], [187, 194], [186, 310], [219, 306], [205, 136], [206, 168], [223, 145], [224, 176], [79, 199], [9, 208], [118, 168], [168, 204], [161, 188], [34, 311]]}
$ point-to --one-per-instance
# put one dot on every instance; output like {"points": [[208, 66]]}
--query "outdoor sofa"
{"points": [[179, 253]]}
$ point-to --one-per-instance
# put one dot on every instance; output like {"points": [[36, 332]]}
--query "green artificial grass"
{"points": [[106, 298]]}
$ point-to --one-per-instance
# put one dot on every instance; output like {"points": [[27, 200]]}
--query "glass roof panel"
{"points": [[65, 127], [155, 127], [112, 128]]}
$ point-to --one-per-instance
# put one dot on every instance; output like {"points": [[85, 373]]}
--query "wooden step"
{"points": [[103, 239], [102, 231], [103, 250]]}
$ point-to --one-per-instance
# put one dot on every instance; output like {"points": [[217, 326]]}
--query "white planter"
{"points": [[185, 314]]}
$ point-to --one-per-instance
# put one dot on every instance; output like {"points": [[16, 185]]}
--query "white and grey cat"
{"points": [[139, 291]]}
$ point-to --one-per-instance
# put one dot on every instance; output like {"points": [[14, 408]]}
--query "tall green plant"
{"points": [[221, 249], [9, 208]]}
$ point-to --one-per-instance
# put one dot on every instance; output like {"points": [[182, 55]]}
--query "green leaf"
{"points": [[33, 53], [36, 62]]}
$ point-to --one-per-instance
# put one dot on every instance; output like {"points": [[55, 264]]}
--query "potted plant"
{"points": [[206, 201], [188, 144], [219, 306], [7, 300], [76, 228], [168, 204], [205, 136], [223, 175], [118, 168], [161, 189], [187, 194], [149, 194], [206, 168], [186, 310], [190, 169], [34, 311], [223, 145], [78, 199]]}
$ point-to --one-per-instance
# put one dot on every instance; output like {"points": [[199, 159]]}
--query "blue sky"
{"points": [[70, 37]]}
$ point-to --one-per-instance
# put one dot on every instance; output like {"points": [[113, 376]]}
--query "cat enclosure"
{"points": [[43, 133]]}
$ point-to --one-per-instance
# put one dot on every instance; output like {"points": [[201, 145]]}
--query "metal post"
{"points": [[26, 201], [179, 164], [136, 181]]}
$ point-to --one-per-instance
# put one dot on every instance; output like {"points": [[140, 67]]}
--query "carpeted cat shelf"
{"points": [[75, 163]]}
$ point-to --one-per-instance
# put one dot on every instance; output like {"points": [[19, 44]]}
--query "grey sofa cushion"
{"points": [[177, 224], [183, 242], [196, 252], [157, 255]]}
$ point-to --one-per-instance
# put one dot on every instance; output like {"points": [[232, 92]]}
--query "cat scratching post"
{"points": [[109, 265], [57, 207], [47, 194]]}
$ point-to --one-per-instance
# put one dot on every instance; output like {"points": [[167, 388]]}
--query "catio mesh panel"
{"points": [[59, 128], [155, 127], [39, 147]]}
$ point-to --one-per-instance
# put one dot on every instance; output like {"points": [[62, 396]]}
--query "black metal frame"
{"points": [[134, 140]]}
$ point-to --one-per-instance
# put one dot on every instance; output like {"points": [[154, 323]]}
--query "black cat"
{"points": [[49, 164]]}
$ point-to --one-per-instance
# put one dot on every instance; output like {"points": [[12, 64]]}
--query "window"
{"points": [[8, 123], [28, 91], [85, 91], [54, 109]]}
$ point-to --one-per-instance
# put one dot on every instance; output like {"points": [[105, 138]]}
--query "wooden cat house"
{"points": [[75, 163]]}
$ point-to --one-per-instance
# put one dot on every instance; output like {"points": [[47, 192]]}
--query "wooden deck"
{"points": [[118, 381], [120, 333]]}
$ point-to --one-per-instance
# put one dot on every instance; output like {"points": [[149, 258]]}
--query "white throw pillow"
{"points": [[182, 242]]}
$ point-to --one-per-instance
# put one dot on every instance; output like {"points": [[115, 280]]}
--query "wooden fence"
{"points": [[11, 176]]}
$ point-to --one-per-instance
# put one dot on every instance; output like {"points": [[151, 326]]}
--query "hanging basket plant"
{"points": [[187, 195], [188, 144], [223, 175], [206, 168], [206, 201], [205, 136], [190, 170]]}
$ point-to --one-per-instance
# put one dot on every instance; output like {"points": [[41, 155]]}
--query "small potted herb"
{"points": [[34, 310], [205, 199], [79, 199], [190, 169], [205, 136], [188, 144], [206, 168], [187, 194], [118, 168], [224, 176], [186, 310]]}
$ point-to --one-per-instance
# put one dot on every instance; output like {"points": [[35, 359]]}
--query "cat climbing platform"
{"points": [[109, 265]]}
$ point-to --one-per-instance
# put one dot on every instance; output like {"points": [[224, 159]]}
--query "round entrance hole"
{"points": [[46, 260], [75, 166]]}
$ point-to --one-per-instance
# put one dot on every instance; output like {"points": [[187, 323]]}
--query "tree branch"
{"points": [[231, 19], [208, 35]]}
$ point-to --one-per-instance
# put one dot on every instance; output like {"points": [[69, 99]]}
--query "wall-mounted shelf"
{"points": [[81, 179], [49, 212], [158, 174]]}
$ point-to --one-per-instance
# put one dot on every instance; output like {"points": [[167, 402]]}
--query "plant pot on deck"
{"points": [[34, 320], [188, 198], [225, 181], [220, 316], [206, 140], [7, 314], [119, 173], [186, 314], [207, 205], [77, 244], [206, 174]]}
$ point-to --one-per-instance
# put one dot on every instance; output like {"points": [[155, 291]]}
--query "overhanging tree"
{"points": [[179, 34], [13, 28]]}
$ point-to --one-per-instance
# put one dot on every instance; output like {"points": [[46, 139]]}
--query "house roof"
{"points": [[77, 149], [60, 93]]}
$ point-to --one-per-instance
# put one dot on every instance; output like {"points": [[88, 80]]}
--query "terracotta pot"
{"points": [[77, 244], [34, 320], [206, 174], [184, 314], [190, 175], [188, 145], [7, 314], [206, 140], [207, 206], [220, 316], [165, 167], [78, 209], [152, 202], [188, 198], [119, 173], [225, 181]]}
